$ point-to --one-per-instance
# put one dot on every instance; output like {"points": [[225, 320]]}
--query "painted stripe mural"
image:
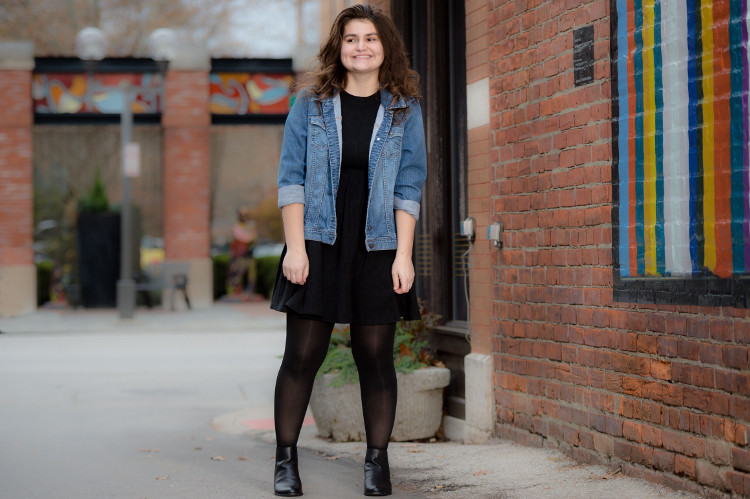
{"points": [[683, 137]]}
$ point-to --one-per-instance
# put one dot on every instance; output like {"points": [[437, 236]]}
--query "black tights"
{"points": [[306, 347]]}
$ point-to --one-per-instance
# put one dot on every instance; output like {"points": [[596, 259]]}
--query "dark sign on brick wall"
{"points": [[583, 55]]}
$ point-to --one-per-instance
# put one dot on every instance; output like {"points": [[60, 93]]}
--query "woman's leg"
{"points": [[306, 347], [372, 347]]}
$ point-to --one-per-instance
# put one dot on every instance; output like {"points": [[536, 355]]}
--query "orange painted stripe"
{"points": [[722, 133]]}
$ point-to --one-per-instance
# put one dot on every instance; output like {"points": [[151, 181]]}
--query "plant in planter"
{"points": [[98, 237], [336, 402]]}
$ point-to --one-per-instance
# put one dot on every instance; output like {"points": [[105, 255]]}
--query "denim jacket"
{"points": [[310, 166]]}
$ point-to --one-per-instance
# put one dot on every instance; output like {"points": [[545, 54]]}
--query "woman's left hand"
{"points": [[402, 273]]}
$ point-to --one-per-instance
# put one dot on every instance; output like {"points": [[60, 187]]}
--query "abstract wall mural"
{"points": [[80, 93], [250, 93], [681, 136]]}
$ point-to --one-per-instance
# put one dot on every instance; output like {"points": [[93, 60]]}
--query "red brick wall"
{"points": [[16, 186], [187, 178], [663, 391]]}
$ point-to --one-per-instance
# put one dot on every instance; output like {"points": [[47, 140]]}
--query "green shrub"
{"points": [[410, 350], [43, 280], [96, 201], [221, 267], [266, 267]]}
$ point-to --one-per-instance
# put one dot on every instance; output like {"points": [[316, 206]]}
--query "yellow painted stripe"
{"points": [[649, 138], [709, 192]]}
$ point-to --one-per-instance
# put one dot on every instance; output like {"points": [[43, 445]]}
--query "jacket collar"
{"points": [[386, 99]]}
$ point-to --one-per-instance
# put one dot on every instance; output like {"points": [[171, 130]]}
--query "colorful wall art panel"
{"points": [[250, 93], [682, 135], [80, 93]]}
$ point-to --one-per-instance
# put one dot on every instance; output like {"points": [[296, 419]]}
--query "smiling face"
{"points": [[361, 49]]}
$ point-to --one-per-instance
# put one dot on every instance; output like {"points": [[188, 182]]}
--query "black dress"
{"points": [[348, 284]]}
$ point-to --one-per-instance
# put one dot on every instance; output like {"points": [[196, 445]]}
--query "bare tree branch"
{"points": [[53, 24]]}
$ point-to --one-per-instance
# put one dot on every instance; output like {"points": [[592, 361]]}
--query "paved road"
{"points": [[100, 408]]}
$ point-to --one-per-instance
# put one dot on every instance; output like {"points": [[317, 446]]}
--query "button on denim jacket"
{"points": [[310, 166]]}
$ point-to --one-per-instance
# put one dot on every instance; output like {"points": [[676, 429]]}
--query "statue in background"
{"points": [[241, 272]]}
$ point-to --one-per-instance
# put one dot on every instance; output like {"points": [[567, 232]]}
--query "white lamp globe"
{"points": [[162, 44], [91, 44]]}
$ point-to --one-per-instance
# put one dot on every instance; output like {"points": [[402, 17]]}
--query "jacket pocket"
{"points": [[393, 142], [317, 130], [317, 168]]}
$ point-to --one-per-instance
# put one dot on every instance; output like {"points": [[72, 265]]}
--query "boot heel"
{"points": [[286, 481], [377, 473]]}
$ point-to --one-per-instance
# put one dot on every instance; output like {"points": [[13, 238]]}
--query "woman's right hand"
{"points": [[296, 266]]}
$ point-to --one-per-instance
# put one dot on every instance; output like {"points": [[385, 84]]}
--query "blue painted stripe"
{"points": [[639, 194], [659, 87], [737, 136], [692, 131], [622, 139]]}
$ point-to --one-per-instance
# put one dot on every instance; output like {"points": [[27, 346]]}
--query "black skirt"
{"points": [[347, 284]]}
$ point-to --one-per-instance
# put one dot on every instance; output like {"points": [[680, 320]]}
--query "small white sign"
{"points": [[132, 163]]}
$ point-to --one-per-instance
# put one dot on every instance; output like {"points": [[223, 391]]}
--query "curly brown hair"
{"points": [[395, 74]]}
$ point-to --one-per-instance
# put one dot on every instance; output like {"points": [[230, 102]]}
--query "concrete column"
{"points": [[17, 270], [186, 121], [480, 400]]}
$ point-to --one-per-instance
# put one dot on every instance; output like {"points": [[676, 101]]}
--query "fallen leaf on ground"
{"points": [[414, 451], [149, 450], [218, 458], [241, 458], [331, 458], [481, 472], [162, 477], [208, 439], [197, 448]]}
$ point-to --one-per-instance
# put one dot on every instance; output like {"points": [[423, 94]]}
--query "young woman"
{"points": [[352, 167]]}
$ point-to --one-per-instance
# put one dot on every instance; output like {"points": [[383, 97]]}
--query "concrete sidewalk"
{"points": [[172, 345]]}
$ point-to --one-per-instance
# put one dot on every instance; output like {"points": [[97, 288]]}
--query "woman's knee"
{"points": [[302, 363]]}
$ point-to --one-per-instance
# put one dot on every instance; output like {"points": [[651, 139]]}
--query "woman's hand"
{"points": [[296, 266], [402, 273]]}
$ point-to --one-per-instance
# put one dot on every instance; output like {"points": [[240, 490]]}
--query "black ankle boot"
{"points": [[286, 480], [377, 473]]}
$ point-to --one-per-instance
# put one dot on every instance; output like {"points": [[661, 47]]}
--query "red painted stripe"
{"points": [[722, 134]]}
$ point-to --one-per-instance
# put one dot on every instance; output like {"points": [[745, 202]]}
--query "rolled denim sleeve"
{"points": [[293, 159], [412, 171]]}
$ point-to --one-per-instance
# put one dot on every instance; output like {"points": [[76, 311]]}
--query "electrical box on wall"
{"points": [[467, 228], [495, 234]]}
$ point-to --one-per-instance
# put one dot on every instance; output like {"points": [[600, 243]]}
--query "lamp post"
{"points": [[91, 46], [126, 284]]}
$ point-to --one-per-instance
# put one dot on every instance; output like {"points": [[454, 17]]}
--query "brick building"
{"points": [[610, 139], [210, 133]]}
